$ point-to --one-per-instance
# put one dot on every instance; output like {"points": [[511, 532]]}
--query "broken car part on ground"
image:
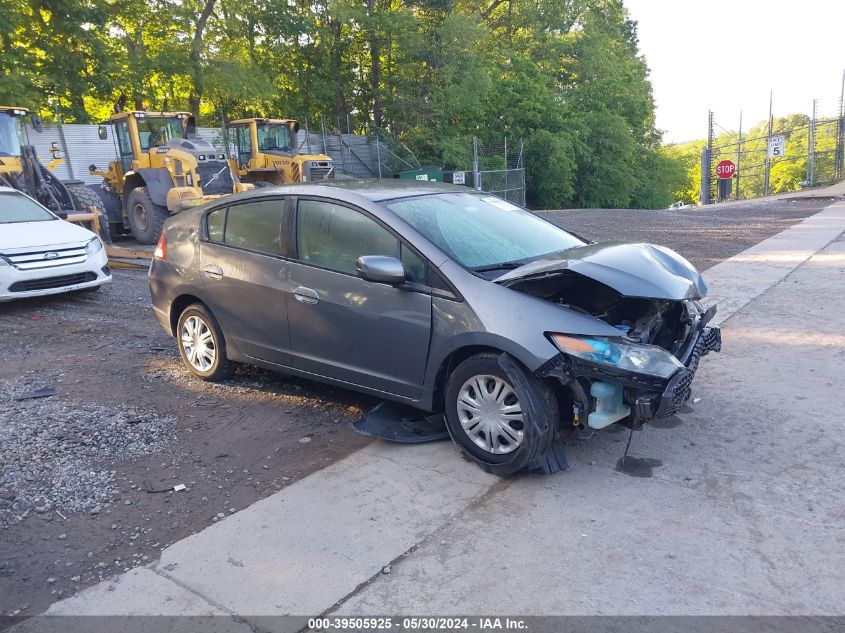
{"points": [[440, 299]]}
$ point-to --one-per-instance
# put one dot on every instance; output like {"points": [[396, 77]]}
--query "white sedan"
{"points": [[41, 254]]}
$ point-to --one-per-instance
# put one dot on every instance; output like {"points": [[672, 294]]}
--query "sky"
{"points": [[726, 56]]}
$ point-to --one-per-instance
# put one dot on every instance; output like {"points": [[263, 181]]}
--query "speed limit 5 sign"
{"points": [[777, 145]]}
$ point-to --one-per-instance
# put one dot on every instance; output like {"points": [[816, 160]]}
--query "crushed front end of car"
{"points": [[618, 380], [650, 295]]}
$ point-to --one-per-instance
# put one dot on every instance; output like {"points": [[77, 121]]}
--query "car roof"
{"points": [[373, 189]]}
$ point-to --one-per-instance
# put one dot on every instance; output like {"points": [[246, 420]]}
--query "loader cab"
{"points": [[240, 135], [253, 138], [11, 131], [138, 133]]}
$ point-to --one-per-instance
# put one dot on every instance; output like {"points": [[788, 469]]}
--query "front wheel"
{"points": [[145, 216], [502, 423], [201, 344]]}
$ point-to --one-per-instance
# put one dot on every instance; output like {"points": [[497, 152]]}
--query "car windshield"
{"points": [[10, 135], [482, 231], [156, 131], [273, 136], [15, 207]]}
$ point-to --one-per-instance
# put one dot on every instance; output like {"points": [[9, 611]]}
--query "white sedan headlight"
{"points": [[94, 246]]}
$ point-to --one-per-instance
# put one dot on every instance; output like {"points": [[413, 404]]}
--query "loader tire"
{"points": [[145, 216], [85, 198]]}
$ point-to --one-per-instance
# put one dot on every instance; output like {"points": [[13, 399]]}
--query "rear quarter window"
{"points": [[255, 226], [215, 223]]}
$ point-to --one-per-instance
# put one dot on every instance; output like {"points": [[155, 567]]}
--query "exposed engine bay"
{"points": [[600, 395], [663, 322]]}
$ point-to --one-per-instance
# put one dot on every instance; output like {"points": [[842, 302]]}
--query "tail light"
{"points": [[161, 248]]}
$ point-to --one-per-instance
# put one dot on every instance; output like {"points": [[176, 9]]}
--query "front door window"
{"points": [[243, 144], [124, 145]]}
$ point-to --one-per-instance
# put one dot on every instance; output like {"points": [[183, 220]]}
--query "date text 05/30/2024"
{"points": [[417, 624]]}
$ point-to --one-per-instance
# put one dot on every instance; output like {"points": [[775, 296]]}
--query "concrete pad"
{"points": [[736, 281], [744, 513], [304, 548], [139, 601], [140, 591]]}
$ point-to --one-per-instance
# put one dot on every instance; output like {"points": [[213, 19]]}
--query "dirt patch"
{"points": [[704, 235], [111, 366]]}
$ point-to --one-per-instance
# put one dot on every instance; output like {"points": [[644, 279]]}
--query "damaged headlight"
{"points": [[643, 359]]}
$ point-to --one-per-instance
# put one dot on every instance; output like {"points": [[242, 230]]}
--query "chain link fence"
{"points": [[788, 154], [499, 168]]}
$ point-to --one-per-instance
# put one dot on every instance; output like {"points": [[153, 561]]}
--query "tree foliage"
{"points": [[566, 76]]}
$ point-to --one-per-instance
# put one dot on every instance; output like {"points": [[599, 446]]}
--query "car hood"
{"points": [[18, 235], [633, 270]]}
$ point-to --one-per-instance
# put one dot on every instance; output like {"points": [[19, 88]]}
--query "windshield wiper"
{"points": [[499, 266]]}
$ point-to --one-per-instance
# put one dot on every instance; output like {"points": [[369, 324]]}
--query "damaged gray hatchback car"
{"points": [[441, 298]]}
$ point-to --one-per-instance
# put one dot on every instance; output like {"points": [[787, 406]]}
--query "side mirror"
{"points": [[102, 132], [380, 269], [92, 168], [37, 123]]}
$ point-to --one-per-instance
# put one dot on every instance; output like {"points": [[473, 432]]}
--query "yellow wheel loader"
{"points": [[267, 153], [162, 167], [20, 169]]}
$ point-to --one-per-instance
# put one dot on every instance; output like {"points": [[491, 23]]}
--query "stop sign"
{"points": [[725, 169]]}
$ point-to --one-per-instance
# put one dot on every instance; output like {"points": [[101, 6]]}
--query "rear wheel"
{"points": [[145, 216], [84, 201], [201, 344], [504, 423]]}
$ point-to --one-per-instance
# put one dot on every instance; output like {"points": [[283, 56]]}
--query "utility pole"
{"points": [[768, 160], [840, 137], [476, 176], [706, 153], [811, 149], [738, 154]]}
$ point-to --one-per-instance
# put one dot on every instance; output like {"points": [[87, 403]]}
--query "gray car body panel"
{"points": [[484, 314], [633, 270]]}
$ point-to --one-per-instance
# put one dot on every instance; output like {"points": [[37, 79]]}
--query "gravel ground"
{"points": [[704, 235], [230, 444], [57, 454]]}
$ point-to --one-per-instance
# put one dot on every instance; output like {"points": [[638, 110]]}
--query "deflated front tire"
{"points": [[502, 416]]}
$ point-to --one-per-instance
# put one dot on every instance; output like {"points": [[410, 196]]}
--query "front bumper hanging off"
{"points": [[648, 396], [677, 391]]}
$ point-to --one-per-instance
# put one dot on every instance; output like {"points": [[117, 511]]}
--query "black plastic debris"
{"points": [[400, 423], [43, 392], [148, 487]]}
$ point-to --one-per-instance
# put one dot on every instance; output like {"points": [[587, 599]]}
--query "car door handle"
{"points": [[212, 271], [306, 295]]}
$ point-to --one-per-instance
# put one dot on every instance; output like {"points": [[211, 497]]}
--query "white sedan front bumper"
{"points": [[19, 281]]}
